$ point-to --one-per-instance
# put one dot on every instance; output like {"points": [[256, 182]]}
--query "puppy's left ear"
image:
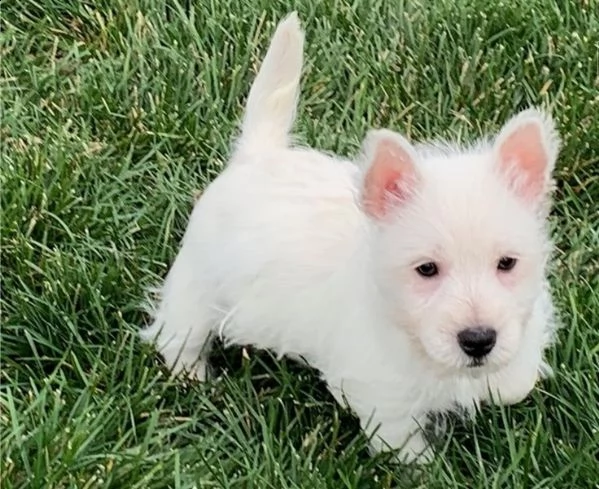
{"points": [[526, 150], [391, 176]]}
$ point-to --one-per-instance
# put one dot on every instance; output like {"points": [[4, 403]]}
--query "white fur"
{"points": [[279, 253]]}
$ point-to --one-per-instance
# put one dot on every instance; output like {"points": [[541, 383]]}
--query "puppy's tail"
{"points": [[271, 105]]}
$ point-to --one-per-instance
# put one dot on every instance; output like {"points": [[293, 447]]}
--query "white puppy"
{"points": [[414, 281]]}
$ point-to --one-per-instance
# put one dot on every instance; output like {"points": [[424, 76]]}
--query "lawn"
{"points": [[115, 113]]}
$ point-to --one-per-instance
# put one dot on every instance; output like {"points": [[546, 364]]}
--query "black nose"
{"points": [[477, 342]]}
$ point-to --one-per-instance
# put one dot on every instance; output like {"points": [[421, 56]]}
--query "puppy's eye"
{"points": [[428, 270], [506, 263]]}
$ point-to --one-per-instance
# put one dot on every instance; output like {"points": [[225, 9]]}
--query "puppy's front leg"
{"points": [[402, 433], [389, 426]]}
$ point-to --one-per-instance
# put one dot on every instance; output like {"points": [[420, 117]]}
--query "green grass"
{"points": [[115, 112]]}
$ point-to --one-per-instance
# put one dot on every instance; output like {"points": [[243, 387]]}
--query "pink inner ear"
{"points": [[389, 178], [524, 159]]}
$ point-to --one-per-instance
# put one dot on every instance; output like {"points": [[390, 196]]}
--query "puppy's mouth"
{"points": [[477, 362], [481, 366]]}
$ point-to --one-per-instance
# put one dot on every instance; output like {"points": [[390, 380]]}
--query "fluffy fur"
{"points": [[316, 257]]}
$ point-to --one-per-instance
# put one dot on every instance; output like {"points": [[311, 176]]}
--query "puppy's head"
{"points": [[459, 238]]}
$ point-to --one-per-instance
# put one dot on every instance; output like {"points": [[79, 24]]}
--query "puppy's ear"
{"points": [[391, 174], [526, 150]]}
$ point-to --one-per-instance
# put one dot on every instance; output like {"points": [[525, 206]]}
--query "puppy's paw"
{"points": [[197, 372], [414, 451]]}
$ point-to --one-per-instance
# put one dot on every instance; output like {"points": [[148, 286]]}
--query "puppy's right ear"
{"points": [[391, 175], [526, 150]]}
